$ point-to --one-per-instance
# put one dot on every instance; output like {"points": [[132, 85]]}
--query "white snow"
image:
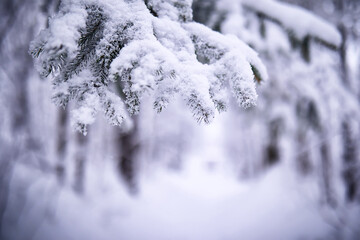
{"points": [[159, 55], [203, 201], [296, 20], [195, 204]]}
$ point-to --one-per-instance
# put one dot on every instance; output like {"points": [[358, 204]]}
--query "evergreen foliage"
{"points": [[105, 56]]}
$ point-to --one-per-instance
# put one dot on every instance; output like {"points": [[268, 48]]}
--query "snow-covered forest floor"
{"points": [[204, 200]]}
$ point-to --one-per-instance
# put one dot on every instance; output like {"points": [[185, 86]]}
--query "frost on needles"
{"points": [[106, 55]]}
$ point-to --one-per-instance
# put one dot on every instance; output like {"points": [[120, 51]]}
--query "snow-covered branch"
{"points": [[296, 20], [105, 55]]}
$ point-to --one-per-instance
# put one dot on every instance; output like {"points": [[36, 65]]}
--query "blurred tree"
{"points": [[19, 141], [301, 96]]}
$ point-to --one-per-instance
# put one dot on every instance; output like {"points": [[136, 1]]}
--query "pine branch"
{"points": [[90, 37]]}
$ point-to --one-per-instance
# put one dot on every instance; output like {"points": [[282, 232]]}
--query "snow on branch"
{"points": [[297, 21], [106, 55]]}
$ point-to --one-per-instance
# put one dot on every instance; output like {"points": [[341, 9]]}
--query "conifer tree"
{"points": [[106, 55]]}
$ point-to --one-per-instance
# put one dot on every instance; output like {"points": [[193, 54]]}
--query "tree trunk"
{"points": [[303, 155], [350, 161], [61, 144], [128, 147], [326, 173], [80, 162], [272, 153]]}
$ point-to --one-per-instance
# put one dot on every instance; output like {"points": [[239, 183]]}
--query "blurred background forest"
{"points": [[288, 168]]}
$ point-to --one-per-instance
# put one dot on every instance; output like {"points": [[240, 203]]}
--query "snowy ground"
{"points": [[203, 201], [193, 204]]}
